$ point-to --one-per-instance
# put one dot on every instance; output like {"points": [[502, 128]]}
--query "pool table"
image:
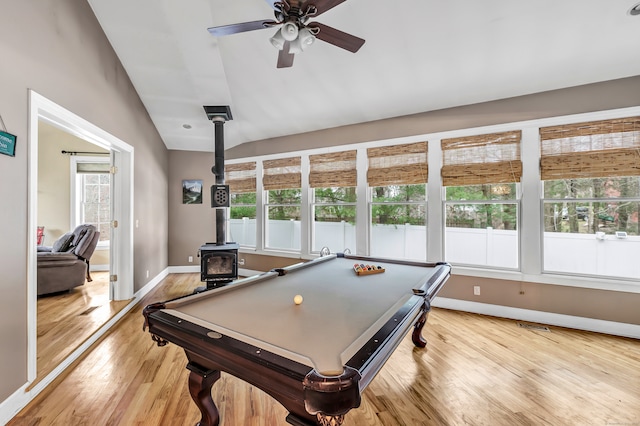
{"points": [[315, 357]]}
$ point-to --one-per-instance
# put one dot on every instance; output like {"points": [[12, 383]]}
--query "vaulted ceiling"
{"points": [[419, 55]]}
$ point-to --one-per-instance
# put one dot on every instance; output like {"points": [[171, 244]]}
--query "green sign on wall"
{"points": [[7, 143]]}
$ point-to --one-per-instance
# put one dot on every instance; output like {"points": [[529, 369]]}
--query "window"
{"points": [[591, 201], [241, 179], [92, 194], [480, 175], [396, 177], [333, 179], [282, 183]]}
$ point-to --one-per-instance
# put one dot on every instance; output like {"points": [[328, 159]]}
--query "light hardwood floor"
{"points": [[66, 320], [476, 370]]}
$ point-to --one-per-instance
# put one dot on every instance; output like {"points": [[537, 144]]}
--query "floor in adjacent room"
{"points": [[67, 319]]}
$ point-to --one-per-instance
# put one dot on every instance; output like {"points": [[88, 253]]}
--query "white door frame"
{"points": [[41, 108]]}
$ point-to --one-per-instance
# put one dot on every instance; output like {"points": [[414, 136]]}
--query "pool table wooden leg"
{"points": [[200, 383], [416, 337]]}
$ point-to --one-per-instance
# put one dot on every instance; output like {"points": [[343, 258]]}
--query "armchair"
{"points": [[65, 265]]}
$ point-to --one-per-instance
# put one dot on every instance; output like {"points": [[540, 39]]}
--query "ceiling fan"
{"points": [[296, 33]]}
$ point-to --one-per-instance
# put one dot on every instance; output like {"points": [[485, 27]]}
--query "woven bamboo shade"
{"points": [[398, 165], [241, 177], [593, 149], [482, 159], [333, 170], [283, 173]]}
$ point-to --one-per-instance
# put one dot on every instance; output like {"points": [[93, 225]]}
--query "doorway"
{"points": [[120, 259]]}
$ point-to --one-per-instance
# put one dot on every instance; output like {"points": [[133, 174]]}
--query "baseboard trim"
{"points": [[560, 320], [189, 269], [21, 397], [98, 268]]}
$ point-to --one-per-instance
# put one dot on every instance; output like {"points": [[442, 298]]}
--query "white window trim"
{"points": [[75, 196], [371, 203], [266, 206]]}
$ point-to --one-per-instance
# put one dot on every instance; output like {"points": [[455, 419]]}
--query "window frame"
{"points": [[312, 208], [517, 201], [266, 205], [371, 203], [77, 193], [594, 147], [232, 205], [586, 200]]}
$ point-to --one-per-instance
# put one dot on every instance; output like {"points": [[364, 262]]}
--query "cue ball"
{"points": [[297, 299]]}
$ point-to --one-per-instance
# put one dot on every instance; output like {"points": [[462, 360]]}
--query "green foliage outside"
{"points": [[618, 211], [335, 204], [399, 204], [243, 205], [482, 213], [284, 204]]}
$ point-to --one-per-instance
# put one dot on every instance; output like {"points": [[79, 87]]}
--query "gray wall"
{"points": [[191, 225], [58, 49]]}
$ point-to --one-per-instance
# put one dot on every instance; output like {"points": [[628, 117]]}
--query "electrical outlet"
{"points": [[147, 273], [190, 259], [241, 262], [476, 290]]}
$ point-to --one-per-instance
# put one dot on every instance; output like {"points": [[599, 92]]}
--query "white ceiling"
{"points": [[419, 55]]}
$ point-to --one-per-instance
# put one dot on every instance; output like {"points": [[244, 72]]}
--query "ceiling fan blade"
{"points": [[337, 38], [285, 59], [323, 5], [241, 28]]}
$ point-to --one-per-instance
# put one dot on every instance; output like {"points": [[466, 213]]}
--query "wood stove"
{"points": [[218, 263], [219, 260]]}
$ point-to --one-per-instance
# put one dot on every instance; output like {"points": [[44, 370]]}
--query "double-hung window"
{"points": [[591, 201], [282, 182], [93, 195], [397, 177], [333, 178], [480, 175], [241, 179]]}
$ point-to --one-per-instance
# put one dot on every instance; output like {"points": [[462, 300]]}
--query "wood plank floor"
{"points": [[476, 370], [66, 320]]}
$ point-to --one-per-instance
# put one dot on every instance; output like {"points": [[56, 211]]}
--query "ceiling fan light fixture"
{"points": [[306, 38], [289, 31], [295, 47], [277, 40]]}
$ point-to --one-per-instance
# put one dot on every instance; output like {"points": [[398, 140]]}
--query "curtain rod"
{"points": [[84, 152]]}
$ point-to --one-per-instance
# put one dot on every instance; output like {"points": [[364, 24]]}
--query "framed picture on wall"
{"points": [[192, 191]]}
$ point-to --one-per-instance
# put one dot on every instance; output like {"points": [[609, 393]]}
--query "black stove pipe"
{"points": [[218, 171]]}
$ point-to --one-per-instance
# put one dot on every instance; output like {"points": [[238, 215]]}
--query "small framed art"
{"points": [[191, 191]]}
